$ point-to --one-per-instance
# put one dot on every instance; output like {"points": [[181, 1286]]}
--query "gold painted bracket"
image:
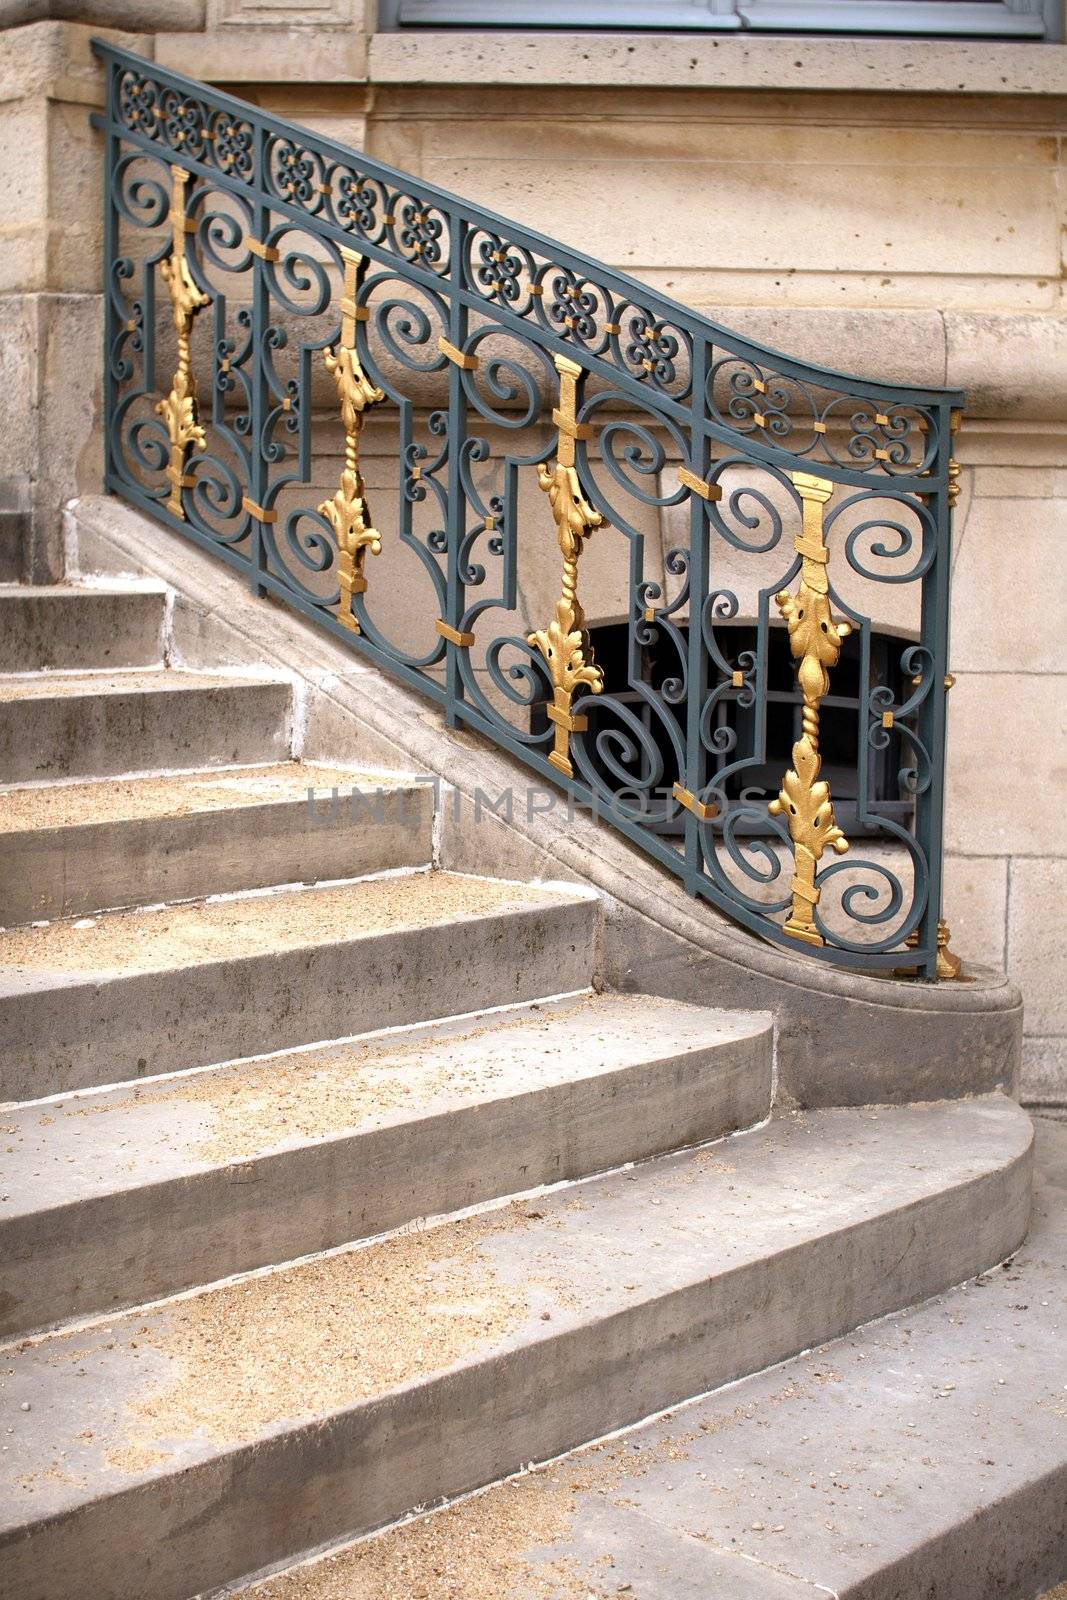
{"points": [[686, 798], [815, 640], [700, 486], [257, 512], [453, 635], [265, 252], [468, 363], [564, 644], [348, 512], [179, 408]]}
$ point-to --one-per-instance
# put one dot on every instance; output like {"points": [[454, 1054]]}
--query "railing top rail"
{"points": [[562, 256]]}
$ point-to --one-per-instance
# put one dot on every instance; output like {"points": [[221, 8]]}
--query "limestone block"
{"points": [[1013, 442], [764, 198], [24, 152], [1020, 483], [260, 54], [71, 457], [1037, 952], [1044, 1072], [25, 229], [76, 204], [345, 124], [51, 232], [886, 346], [1010, 364], [50, 364], [1006, 742], [975, 904], [1010, 587], [961, 512], [18, 384], [54, 59], [637, 60]]}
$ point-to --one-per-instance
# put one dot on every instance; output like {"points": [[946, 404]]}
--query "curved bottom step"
{"points": [[183, 1445], [925, 1455]]}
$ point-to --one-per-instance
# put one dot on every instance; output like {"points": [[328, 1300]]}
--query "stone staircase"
{"points": [[332, 1185]]}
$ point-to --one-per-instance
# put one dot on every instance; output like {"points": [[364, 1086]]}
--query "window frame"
{"points": [[1025, 20]]}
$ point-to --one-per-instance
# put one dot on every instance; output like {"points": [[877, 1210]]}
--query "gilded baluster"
{"points": [[179, 410], [565, 642], [347, 512], [815, 640]]}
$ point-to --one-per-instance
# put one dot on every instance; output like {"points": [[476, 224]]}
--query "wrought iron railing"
{"points": [[286, 317]]}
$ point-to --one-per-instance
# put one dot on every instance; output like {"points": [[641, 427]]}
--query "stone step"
{"points": [[67, 849], [96, 725], [69, 628], [138, 993], [181, 1445], [926, 1455], [134, 1193]]}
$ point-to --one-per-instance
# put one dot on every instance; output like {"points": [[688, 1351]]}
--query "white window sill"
{"points": [[685, 61]]}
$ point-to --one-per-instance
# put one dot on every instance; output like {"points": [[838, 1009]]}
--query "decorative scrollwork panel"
{"points": [[700, 586]]}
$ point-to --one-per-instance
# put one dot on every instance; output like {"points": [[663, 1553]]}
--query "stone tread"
{"points": [[73, 591], [256, 924], [169, 1389], [131, 681], [94, 724], [925, 1454], [114, 1199], [92, 1143], [36, 806]]}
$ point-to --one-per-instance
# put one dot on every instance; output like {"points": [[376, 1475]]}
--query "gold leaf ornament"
{"points": [[564, 644]]}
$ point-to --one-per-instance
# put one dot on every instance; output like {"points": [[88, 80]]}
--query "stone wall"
{"points": [[1007, 879], [890, 207]]}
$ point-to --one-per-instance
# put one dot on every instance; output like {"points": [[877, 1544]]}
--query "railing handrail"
{"points": [[724, 404]]}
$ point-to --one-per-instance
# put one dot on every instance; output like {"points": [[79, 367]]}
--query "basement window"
{"points": [[839, 725], [990, 19]]}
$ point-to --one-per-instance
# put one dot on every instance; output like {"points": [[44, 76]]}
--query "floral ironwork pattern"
{"points": [[763, 543]]}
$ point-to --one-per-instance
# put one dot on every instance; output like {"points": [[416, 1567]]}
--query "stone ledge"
{"points": [[665, 61], [254, 54], [1009, 365]]}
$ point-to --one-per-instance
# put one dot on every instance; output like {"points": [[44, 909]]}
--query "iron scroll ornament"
{"points": [[336, 312]]}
